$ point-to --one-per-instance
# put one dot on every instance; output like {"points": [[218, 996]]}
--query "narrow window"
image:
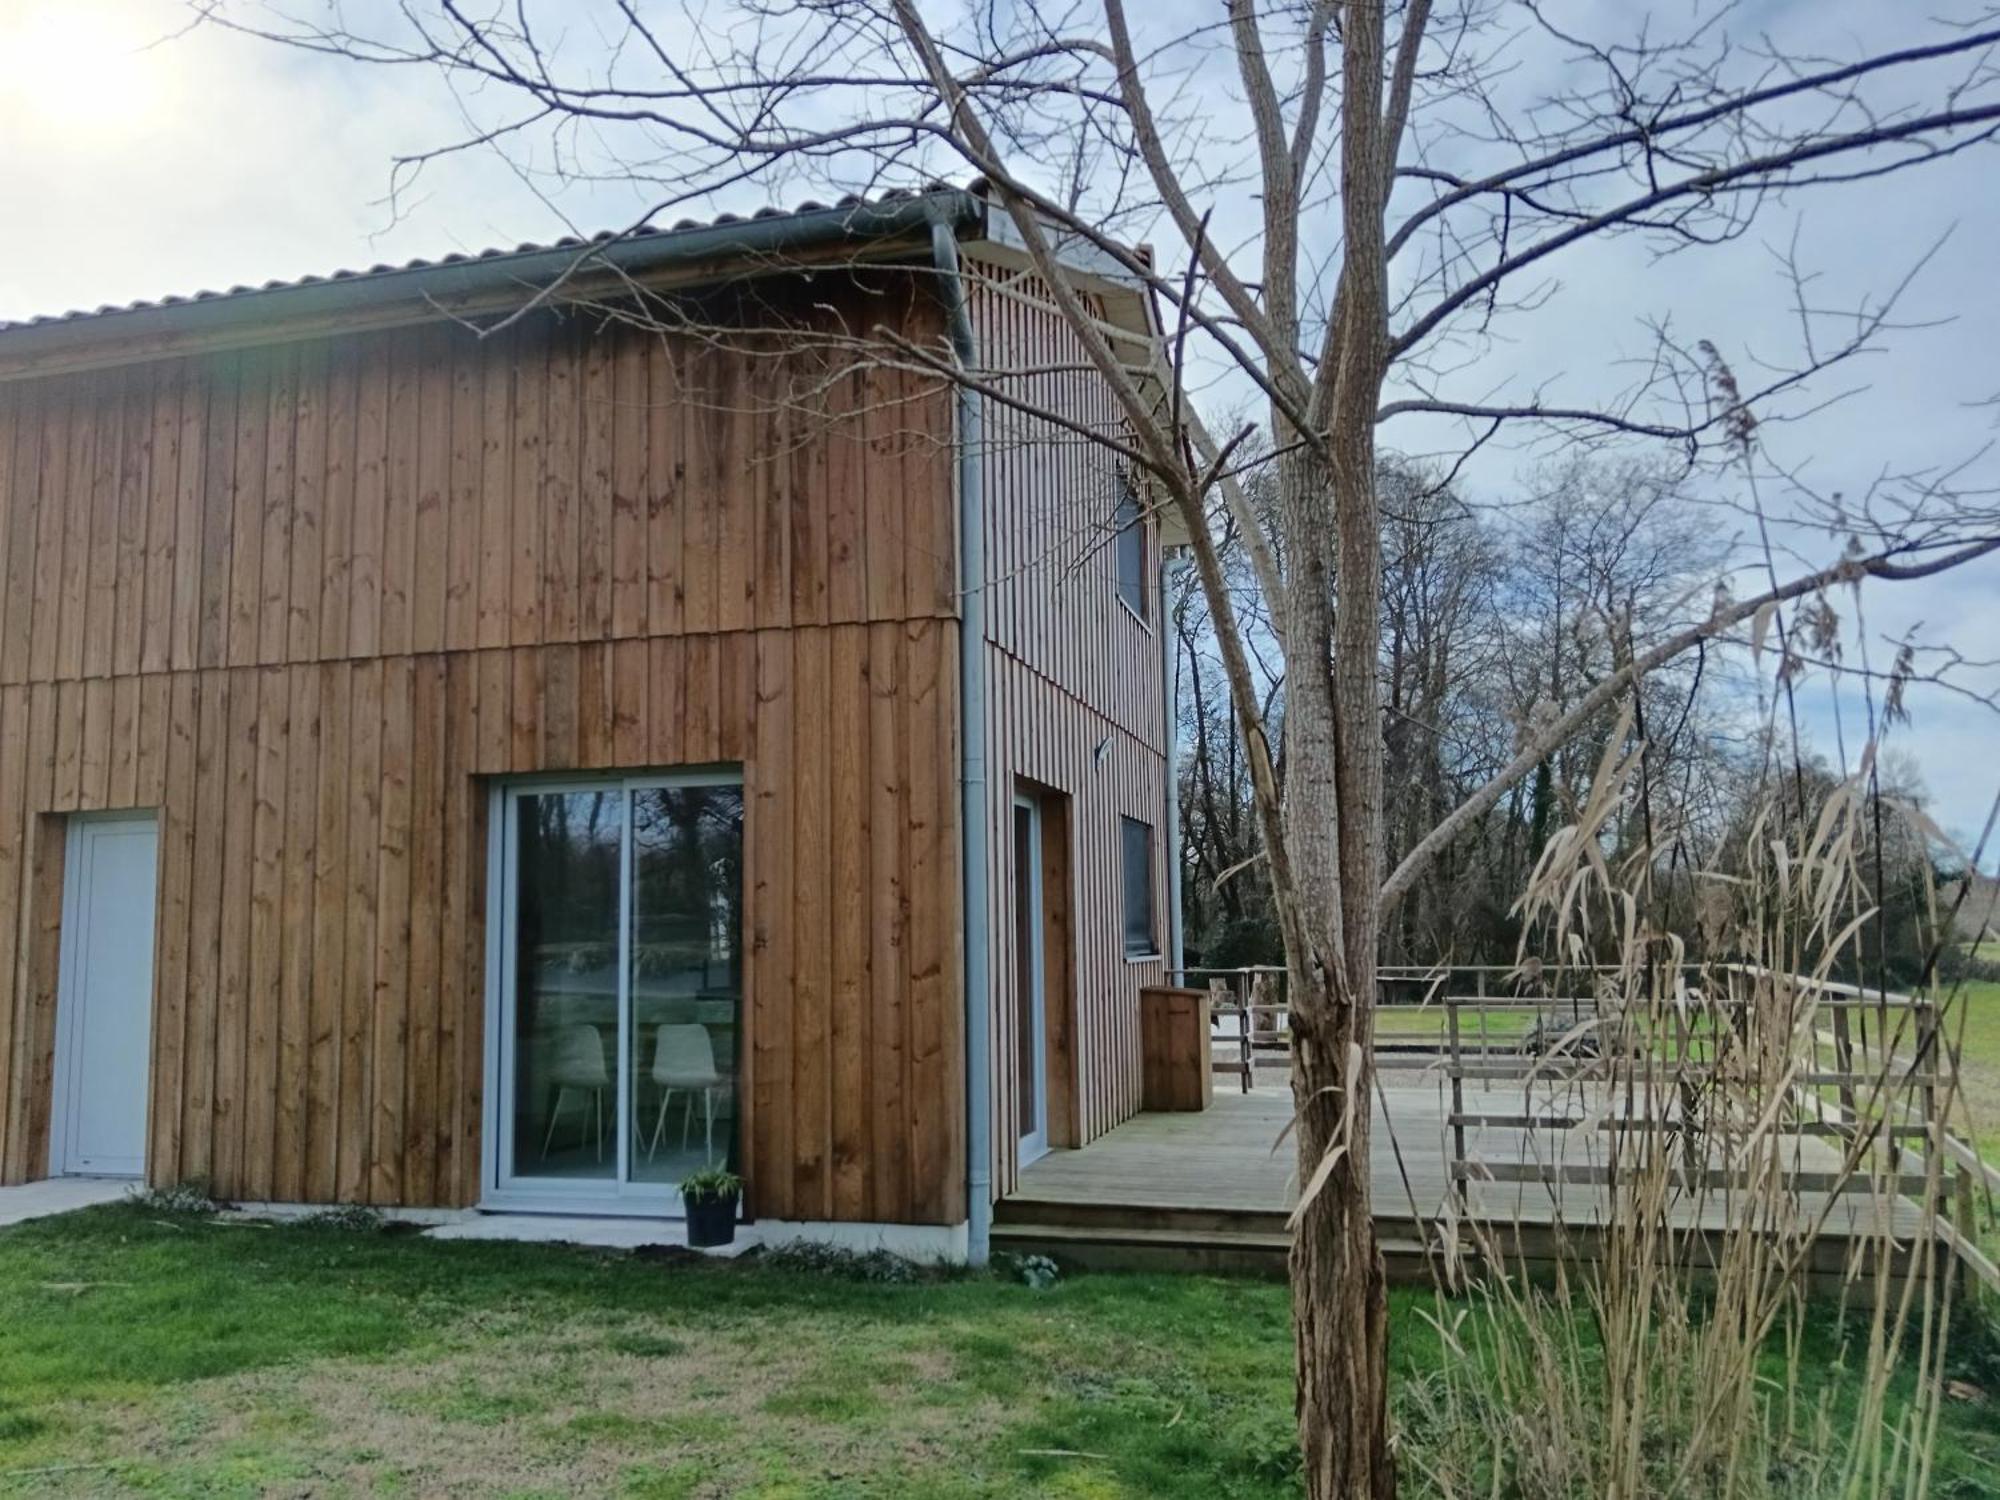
{"points": [[1131, 539], [1139, 939]]}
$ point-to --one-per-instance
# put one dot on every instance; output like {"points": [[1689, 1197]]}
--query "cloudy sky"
{"points": [[133, 167]]}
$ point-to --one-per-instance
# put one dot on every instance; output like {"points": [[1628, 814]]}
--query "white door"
{"points": [[105, 1004], [1031, 1027]]}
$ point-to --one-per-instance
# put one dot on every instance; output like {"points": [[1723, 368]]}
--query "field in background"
{"points": [[1979, 1060]]}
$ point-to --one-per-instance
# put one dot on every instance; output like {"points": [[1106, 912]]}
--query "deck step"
{"points": [[1173, 1217], [1137, 1248]]}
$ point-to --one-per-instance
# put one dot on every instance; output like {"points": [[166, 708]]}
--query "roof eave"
{"points": [[714, 252]]}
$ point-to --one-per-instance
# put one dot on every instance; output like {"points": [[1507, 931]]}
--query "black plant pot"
{"points": [[711, 1221]]}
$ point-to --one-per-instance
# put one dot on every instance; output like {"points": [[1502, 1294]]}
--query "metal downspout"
{"points": [[972, 759], [1170, 704]]}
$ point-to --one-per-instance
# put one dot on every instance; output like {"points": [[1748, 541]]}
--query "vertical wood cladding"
{"points": [[304, 599], [1074, 701]]}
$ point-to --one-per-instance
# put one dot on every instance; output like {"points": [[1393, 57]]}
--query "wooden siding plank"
{"points": [[849, 808], [159, 522], [593, 705], [667, 701], [631, 395], [630, 682], [496, 447], [529, 429], [27, 502], [43, 946], [426, 895], [328, 936], [888, 835], [338, 422], [280, 469], [390, 1025], [356, 1161], [768, 478], [14, 705], [55, 516], [184, 608], [37, 773], [97, 594], [883, 529], [262, 1071], [233, 965], [771, 996], [564, 455], [930, 987], [93, 749], [705, 479], [305, 590], [121, 622], [299, 860], [65, 795], [700, 701], [399, 498], [121, 788], [666, 485], [459, 1061], [804, 488], [149, 740], [557, 706], [246, 510], [461, 600], [366, 529], [845, 499], [431, 560], [812, 1103], [594, 498], [207, 833], [170, 950]]}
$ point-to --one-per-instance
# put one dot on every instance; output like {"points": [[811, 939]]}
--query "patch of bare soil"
{"points": [[562, 1408]]}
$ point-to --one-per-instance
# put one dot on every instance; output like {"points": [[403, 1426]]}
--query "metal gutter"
{"points": [[1171, 730], [975, 851]]}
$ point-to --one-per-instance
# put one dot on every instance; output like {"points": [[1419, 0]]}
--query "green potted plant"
{"points": [[710, 1197]]}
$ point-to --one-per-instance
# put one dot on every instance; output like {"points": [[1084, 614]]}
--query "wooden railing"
{"points": [[1865, 1073]]}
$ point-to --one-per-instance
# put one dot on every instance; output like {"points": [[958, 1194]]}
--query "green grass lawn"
{"points": [[148, 1354], [1978, 1009]]}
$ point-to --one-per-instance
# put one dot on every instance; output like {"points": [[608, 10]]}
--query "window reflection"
{"points": [[566, 983], [687, 924], [650, 876]]}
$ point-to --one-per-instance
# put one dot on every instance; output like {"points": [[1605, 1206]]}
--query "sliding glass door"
{"points": [[619, 987]]}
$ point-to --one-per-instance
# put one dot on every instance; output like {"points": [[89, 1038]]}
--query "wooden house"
{"points": [[512, 770]]}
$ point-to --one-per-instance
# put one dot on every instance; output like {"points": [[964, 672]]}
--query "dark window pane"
{"points": [[1138, 853], [566, 983], [1131, 549], [687, 991]]}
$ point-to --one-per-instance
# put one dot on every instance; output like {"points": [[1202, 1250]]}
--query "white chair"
{"points": [[579, 1064], [684, 1058]]}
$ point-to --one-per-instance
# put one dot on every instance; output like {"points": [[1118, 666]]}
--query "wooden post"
{"points": [[1176, 1062], [1221, 1002], [1843, 1062], [1458, 1171]]}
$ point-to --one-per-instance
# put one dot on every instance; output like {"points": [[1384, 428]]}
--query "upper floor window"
{"points": [[1131, 522], [1140, 939]]}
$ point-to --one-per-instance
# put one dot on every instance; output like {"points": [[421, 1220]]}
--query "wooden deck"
{"points": [[1219, 1184]]}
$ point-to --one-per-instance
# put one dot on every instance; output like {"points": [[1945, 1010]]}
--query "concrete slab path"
{"points": [[57, 1195]]}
